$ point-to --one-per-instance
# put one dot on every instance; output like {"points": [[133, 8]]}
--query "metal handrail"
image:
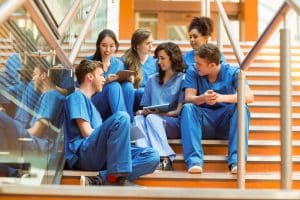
{"points": [[46, 32], [266, 35], [63, 25], [237, 49], [8, 8], [80, 38], [295, 5]]}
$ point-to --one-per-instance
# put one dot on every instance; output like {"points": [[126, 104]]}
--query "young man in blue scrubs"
{"points": [[105, 147], [210, 111]]}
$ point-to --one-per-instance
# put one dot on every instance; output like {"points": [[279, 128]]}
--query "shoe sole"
{"points": [[195, 171]]}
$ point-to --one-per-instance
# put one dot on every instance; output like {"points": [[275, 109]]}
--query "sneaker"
{"points": [[91, 180], [233, 169], [165, 164], [196, 169], [118, 179]]}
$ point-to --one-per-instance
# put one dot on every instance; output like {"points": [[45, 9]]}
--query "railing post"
{"points": [[241, 130], [285, 110], [219, 33], [205, 8]]}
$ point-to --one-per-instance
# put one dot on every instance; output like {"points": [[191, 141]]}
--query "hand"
{"points": [[210, 97], [112, 77], [131, 79]]}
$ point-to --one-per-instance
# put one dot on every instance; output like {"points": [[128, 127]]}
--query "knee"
{"points": [[151, 118], [187, 108], [123, 117], [114, 86], [127, 86]]}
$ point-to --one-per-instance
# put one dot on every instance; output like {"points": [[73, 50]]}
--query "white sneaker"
{"points": [[233, 169], [196, 169]]}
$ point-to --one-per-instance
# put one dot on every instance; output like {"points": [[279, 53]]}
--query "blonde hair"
{"points": [[131, 58]]}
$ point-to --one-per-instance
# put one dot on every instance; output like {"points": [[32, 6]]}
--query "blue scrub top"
{"points": [[148, 68], [226, 82], [78, 106], [168, 93], [115, 65], [12, 65], [189, 59], [50, 106], [29, 98]]}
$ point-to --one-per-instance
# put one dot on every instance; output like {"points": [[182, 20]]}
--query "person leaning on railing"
{"points": [[210, 111]]}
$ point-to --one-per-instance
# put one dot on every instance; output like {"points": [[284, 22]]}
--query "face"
{"points": [[38, 77], [164, 60], [107, 47], [98, 80], [202, 66], [146, 46], [196, 39]]}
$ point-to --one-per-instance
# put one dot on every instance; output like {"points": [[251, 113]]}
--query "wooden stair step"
{"points": [[185, 180]]}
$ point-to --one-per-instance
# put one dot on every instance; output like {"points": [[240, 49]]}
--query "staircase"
{"points": [[263, 163]]}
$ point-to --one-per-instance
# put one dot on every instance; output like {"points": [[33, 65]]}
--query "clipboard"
{"points": [[124, 75], [161, 107]]}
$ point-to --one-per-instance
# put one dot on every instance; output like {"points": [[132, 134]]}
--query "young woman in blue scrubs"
{"points": [[93, 145], [110, 99], [162, 88], [138, 58], [210, 111], [199, 31]]}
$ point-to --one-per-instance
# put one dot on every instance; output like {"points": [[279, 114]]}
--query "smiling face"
{"points": [[197, 39], [145, 47], [163, 60], [107, 47]]}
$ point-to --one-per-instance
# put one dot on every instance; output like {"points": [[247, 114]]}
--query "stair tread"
{"points": [[250, 142], [178, 174]]}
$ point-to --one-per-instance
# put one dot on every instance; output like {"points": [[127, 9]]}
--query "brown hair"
{"points": [[209, 52], [175, 55], [131, 57], [204, 25], [85, 67]]}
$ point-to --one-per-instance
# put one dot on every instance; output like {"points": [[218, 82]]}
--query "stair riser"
{"points": [[250, 184], [221, 166], [253, 150]]}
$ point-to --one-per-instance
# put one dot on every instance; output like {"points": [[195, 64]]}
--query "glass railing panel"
{"points": [[31, 103], [58, 8], [99, 23]]}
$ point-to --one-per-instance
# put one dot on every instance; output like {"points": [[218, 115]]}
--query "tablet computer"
{"points": [[161, 107], [124, 75]]}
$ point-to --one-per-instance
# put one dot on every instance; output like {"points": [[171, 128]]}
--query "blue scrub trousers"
{"points": [[132, 98], [156, 130], [108, 150], [199, 123], [109, 100]]}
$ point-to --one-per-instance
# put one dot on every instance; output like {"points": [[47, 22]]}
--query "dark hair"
{"points": [[204, 25], [85, 67], [101, 36], [209, 52], [175, 55], [131, 58]]}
